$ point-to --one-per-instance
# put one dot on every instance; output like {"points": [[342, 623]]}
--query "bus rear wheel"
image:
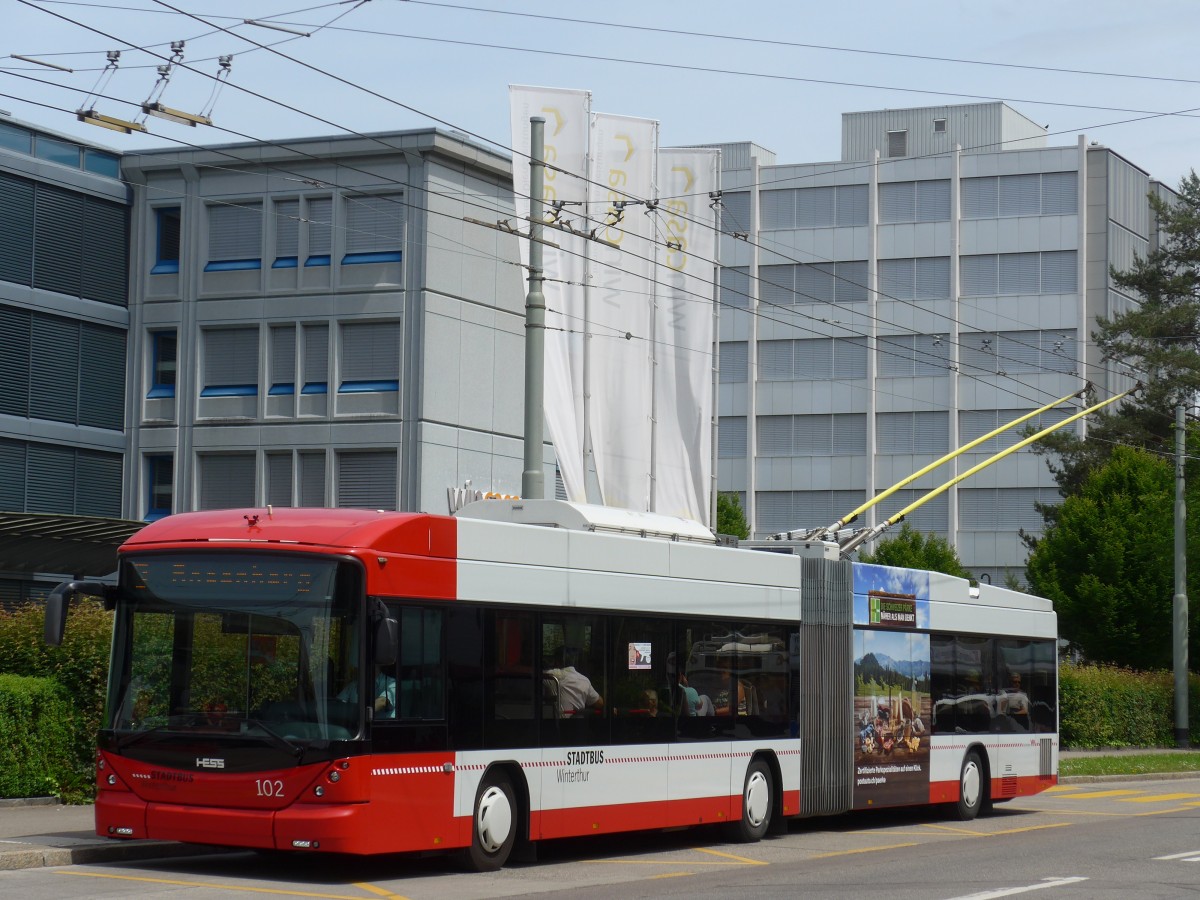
{"points": [[758, 801], [970, 788], [494, 824]]}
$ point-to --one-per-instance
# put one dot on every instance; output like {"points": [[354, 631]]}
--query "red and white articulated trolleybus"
{"points": [[332, 680]]}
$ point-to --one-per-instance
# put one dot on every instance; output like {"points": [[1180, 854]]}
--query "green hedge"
{"points": [[1106, 706], [79, 667], [37, 754]]}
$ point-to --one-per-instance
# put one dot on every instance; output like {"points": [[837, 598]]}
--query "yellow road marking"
{"points": [[651, 862], [865, 850], [1160, 798], [1060, 787], [741, 859], [1091, 795], [953, 830], [211, 886], [1032, 828], [671, 875], [382, 892]]}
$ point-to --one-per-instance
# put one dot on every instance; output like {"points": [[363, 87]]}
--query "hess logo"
{"points": [[205, 762]]}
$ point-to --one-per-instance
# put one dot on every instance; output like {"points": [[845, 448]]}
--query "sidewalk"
{"points": [[43, 832]]}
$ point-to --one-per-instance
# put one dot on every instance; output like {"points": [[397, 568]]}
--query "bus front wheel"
{"points": [[757, 805], [494, 825], [970, 788]]}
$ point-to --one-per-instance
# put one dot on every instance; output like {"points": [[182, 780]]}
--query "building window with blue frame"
{"points": [[166, 240], [230, 362], [235, 236], [287, 234], [374, 229], [370, 358], [160, 481], [320, 231], [283, 360], [316, 358], [164, 363]]}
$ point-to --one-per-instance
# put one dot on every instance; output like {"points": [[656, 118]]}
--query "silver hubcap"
{"points": [[493, 821], [970, 783], [758, 799]]}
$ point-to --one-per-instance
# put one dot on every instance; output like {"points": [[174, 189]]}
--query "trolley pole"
{"points": [[532, 478], [1179, 630]]}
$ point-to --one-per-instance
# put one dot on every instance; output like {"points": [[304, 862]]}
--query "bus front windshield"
{"points": [[236, 645]]}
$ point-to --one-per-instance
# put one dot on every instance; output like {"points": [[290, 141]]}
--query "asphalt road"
{"points": [[1116, 839]]}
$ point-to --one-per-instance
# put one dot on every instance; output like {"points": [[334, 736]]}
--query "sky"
{"points": [[779, 74]]}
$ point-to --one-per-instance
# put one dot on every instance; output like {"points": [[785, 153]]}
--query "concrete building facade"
{"points": [[316, 323], [64, 223], [940, 279]]}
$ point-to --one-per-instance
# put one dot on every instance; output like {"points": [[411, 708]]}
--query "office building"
{"points": [[316, 323], [64, 222], [940, 279]]}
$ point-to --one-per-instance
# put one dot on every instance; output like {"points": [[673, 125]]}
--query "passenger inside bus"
{"points": [[575, 691], [697, 704], [650, 701]]}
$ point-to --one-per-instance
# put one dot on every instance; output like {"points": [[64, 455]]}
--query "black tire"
{"points": [[493, 824], [758, 805], [972, 788]]}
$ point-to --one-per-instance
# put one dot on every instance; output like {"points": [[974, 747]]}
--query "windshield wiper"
{"points": [[138, 737], [276, 738]]}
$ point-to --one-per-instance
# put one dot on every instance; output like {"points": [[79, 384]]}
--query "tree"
{"points": [[1106, 562], [730, 518], [911, 549], [1157, 342]]}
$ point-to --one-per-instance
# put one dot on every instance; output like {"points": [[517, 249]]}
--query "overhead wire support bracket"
{"points": [[40, 62], [88, 115], [153, 105], [508, 228]]}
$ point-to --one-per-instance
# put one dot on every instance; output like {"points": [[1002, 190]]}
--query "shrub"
{"points": [[37, 754], [1107, 706], [80, 668]]}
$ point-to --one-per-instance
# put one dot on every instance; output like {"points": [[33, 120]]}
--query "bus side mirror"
{"points": [[59, 602], [386, 641]]}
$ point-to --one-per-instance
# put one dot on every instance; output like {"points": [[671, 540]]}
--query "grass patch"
{"points": [[1130, 764]]}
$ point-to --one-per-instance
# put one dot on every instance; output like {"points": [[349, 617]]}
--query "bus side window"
{"points": [[420, 687], [509, 669], [1043, 693]]}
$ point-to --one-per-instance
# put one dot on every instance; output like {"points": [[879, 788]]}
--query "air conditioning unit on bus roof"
{"points": [[588, 517]]}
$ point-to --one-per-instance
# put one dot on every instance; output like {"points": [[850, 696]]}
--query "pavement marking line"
{"points": [[650, 862], [211, 886], [1091, 795], [1008, 892], [382, 892], [952, 830], [1161, 812], [1060, 787], [741, 859], [1031, 828], [864, 850], [1160, 798], [670, 875], [1180, 855]]}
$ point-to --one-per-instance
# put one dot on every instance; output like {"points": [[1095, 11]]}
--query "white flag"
{"points": [[684, 329], [566, 147], [624, 153]]}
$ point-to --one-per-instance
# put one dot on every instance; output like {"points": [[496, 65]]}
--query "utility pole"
{"points": [[532, 478], [1179, 629]]}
